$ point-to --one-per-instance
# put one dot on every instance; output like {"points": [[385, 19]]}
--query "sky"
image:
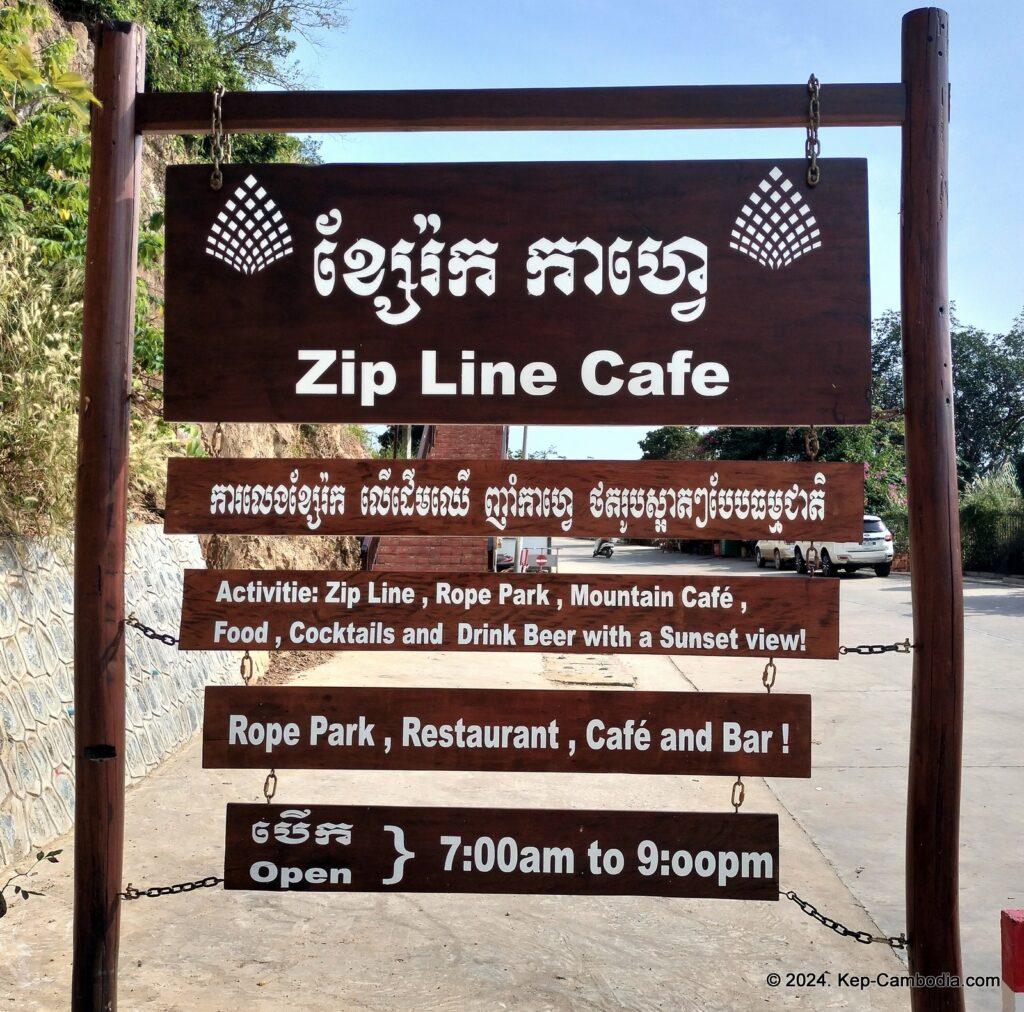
{"points": [[397, 44]]}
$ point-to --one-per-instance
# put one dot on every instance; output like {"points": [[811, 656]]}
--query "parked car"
{"points": [[874, 550], [778, 553]]}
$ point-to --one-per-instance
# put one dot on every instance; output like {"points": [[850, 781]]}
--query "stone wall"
{"points": [[164, 687]]}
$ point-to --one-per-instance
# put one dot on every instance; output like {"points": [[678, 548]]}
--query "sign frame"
{"points": [[609, 293], [538, 730]]}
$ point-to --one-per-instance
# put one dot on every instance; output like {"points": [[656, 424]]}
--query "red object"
{"points": [[542, 560], [1011, 928]]}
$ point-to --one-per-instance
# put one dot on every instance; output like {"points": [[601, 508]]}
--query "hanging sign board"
{"points": [[593, 498], [744, 616], [700, 293], [335, 848], [529, 730]]}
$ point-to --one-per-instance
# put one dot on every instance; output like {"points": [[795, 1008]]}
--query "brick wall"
{"points": [[485, 442], [451, 442]]}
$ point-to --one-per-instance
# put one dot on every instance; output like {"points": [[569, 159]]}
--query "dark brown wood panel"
{"points": [[579, 292], [593, 498], [638, 108], [745, 616], [335, 848], [524, 730]]}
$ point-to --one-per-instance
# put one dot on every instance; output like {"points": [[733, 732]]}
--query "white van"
{"points": [[875, 549]]}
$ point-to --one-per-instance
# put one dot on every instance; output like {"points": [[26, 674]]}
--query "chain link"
{"points": [[864, 937], [245, 668], [149, 633], [217, 440], [812, 444], [131, 893], [270, 786], [878, 648], [812, 146], [812, 560], [739, 794], [217, 129], [768, 675]]}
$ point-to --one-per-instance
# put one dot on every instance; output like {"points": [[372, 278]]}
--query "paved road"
{"points": [[854, 806], [841, 846]]}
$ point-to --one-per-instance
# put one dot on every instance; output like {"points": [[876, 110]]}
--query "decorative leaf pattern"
{"points": [[776, 225], [250, 233]]}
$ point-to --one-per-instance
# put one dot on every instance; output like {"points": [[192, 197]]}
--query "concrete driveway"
{"points": [[854, 806], [841, 847]]}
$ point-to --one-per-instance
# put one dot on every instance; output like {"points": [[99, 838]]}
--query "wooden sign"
{"points": [[529, 730], [352, 848], [593, 498], [701, 293], [745, 616]]}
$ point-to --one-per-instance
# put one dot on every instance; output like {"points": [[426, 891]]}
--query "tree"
{"points": [[29, 83], [988, 383], [259, 36], [672, 442], [551, 453], [878, 446], [392, 440]]}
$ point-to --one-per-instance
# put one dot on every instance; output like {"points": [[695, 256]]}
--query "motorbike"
{"points": [[603, 548]]}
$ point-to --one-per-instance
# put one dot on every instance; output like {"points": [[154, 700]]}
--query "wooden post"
{"points": [[100, 514], [936, 729]]}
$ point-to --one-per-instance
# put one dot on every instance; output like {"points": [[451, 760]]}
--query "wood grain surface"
{"points": [[593, 498], [526, 730], [467, 850], [934, 850], [746, 616], [659, 107], [793, 341]]}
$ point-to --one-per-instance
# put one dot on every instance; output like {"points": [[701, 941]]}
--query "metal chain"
{"points": [[812, 444], [812, 146], [739, 794], [865, 937], [131, 893], [768, 675], [878, 648], [148, 632], [217, 129], [812, 560], [270, 786], [217, 440], [245, 668]]}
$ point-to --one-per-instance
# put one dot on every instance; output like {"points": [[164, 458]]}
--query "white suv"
{"points": [[874, 550]]}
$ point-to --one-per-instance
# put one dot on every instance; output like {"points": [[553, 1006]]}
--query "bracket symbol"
{"points": [[403, 855]]}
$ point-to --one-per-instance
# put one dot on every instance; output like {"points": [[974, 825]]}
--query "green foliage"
{"points": [[551, 453], [31, 82], [997, 492], [988, 382], [391, 442], [39, 327], [259, 38], [44, 173], [44, 153], [19, 889], [364, 437], [196, 46], [992, 522], [672, 442], [879, 446]]}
